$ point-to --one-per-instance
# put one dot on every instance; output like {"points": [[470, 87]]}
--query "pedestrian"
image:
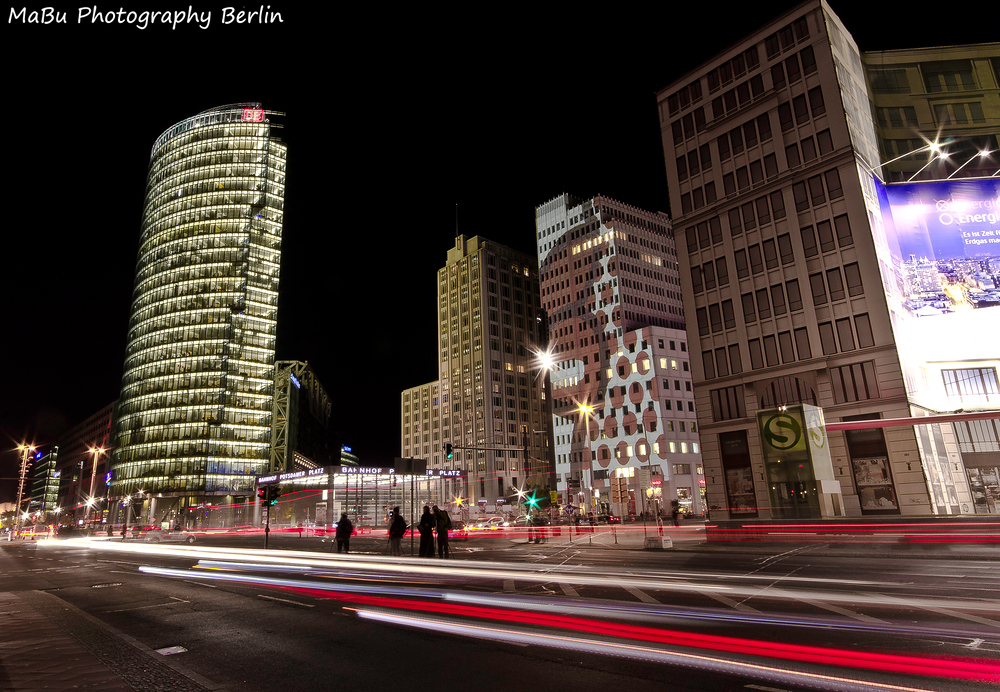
{"points": [[675, 512], [426, 527], [443, 523], [344, 530], [397, 528]]}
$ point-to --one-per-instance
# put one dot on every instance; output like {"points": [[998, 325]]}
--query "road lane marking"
{"points": [[569, 591], [285, 600], [198, 583], [942, 611], [644, 597], [842, 611], [157, 605], [728, 601]]}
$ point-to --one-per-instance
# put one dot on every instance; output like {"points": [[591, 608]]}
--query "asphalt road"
{"points": [[502, 614]]}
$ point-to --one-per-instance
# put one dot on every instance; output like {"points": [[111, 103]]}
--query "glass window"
{"points": [[785, 344], [763, 305], [778, 300], [735, 362], [794, 295], [777, 205], [771, 351], [770, 254], [809, 241], [749, 312], [843, 227], [863, 326], [756, 260], [826, 338], [802, 343], [742, 268], [833, 183], [756, 354], [825, 231], [816, 190], [728, 315], [722, 271], [853, 277], [816, 103], [785, 249], [845, 335], [764, 127], [836, 283], [818, 289]]}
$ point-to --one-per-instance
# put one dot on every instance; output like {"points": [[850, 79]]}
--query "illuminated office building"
{"points": [[194, 418], [622, 397], [848, 290], [489, 401]]}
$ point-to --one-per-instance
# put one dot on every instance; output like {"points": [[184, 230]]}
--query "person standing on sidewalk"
{"points": [[443, 522], [426, 527], [344, 530], [397, 529]]}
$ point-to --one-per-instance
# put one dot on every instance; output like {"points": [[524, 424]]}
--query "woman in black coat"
{"points": [[426, 529]]}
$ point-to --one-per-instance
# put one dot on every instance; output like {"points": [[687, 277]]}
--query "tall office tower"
{"points": [[493, 406], [623, 403], [83, 489], [45, 486], [807, 274], [197, 391]]}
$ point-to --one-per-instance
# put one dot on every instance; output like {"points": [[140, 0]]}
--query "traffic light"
{"points": [[273, 493], [449, 451], [262, 493]]}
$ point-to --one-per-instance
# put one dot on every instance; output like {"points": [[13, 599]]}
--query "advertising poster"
{"points": [[871, 475], [941, 271]]}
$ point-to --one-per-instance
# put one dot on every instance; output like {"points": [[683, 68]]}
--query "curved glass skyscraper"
{"points": [[194, 415]]}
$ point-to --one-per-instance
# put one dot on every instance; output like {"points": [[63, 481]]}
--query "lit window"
{"points": [[663, 363], [656, 448], [642, 449], [673, 447], [673, 364], [684, 447], [628, 450]]}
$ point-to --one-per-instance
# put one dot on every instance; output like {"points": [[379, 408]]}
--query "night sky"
{"points": [[393, 118]]}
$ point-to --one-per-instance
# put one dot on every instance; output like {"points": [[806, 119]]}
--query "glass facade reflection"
{"points": [[197, 388]]}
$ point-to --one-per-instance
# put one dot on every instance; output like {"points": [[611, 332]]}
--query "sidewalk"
{"points": [[691, 537], [37, 655], [47, 644]]}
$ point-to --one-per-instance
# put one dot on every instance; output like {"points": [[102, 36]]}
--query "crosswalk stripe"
{"points": [[644, 597]]}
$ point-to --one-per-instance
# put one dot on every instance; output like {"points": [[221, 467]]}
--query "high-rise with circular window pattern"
{"points": [[194, 416]]}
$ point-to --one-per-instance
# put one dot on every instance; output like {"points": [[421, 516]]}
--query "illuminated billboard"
{"points": [[939, 253]]}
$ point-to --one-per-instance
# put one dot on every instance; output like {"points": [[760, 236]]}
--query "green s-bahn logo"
{"points": [[782, 431]]}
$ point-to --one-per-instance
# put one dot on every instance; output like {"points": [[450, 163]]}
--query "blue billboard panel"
{"points": [[945, 241], [938, 247]]}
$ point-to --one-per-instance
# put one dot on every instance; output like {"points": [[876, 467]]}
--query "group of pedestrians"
{"points": [[432, 520]]}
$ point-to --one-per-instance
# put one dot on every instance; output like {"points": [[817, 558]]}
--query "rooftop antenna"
{"points": [[456, 219]]}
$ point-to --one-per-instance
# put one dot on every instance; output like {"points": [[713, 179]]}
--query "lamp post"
{"points": [[25, 450], [96, 451], [586, 410]]}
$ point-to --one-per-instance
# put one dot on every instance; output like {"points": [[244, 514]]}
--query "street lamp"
{"points": [[25, 450], [587, 411], [96, 451], [981, 154]]}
